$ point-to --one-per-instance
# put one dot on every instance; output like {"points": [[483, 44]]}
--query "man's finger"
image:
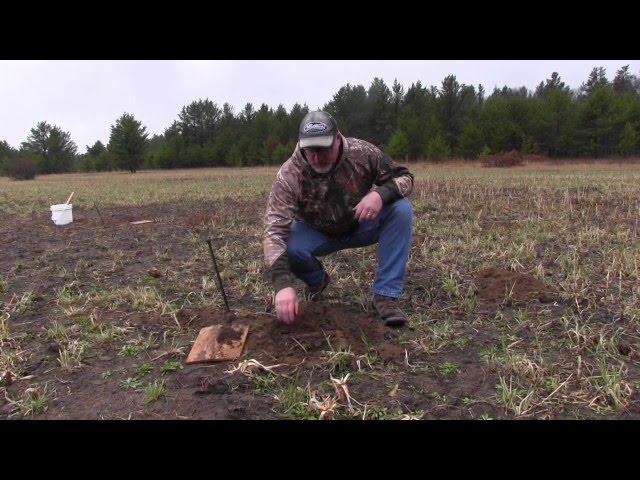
{"points": [[290, 312], [282, 313]]}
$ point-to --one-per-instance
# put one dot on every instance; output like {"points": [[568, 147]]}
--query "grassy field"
{"points": [[87, 332], [123, 188]]}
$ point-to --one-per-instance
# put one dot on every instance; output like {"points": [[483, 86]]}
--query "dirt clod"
{"points": [[154, 272], [624, 348], [6, 378]]}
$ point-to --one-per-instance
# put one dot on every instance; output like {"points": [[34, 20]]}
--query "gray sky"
{"points": [[86, 97]]}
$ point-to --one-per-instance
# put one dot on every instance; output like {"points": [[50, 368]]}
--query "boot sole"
{"points": [[395, 323], [391, 322]]}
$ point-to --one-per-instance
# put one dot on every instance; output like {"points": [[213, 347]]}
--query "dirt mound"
{"points": [[495, 284], [322, 327], [319, 330]]}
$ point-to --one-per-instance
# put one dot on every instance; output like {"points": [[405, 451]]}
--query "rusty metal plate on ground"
{"points": [[218, 343]]}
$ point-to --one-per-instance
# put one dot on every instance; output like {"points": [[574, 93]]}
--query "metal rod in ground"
{"points": [[219, 280], [98, 210]]}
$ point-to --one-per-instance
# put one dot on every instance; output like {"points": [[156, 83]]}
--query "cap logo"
{"points": [[314, 127]]}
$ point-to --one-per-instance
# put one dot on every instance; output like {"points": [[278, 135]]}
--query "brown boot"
{"points": [[389, 311]]}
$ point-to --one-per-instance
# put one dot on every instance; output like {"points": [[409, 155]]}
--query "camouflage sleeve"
{"points": [[393, 180], [277, 222]]}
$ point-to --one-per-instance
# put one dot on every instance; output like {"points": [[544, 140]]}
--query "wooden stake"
{"points": [[69, 199]]}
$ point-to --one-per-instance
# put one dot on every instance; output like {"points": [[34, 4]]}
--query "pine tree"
{"points": [[397, 147], [437, 149], [96, 149], [449, 115], [6, 153], [96, 159], [127, 142], [198, 121], [553, 117], [624, 82], [379, 110], [597, 78], [397, 99], [470, 141], [552, 84], [350, 108], [481, 94], [628, 140], [597, 121], [53, 148]]}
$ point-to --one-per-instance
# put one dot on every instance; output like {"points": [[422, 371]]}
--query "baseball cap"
{"points": [[317, 130]]}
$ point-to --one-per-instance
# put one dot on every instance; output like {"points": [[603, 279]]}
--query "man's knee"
{"points": [[401, 209], [297, 251]]}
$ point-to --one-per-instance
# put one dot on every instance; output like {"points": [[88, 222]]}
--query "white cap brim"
{"points": [[316, 142]]}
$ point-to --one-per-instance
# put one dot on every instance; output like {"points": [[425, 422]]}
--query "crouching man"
{"points": [[336, 193]]}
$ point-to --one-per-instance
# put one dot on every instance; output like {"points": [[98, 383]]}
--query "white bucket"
{"points": [[62, 214]]}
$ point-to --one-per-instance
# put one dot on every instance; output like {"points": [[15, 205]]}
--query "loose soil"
{"points": [[406, 375], [229, 335], [319, 330], [495, 285]]}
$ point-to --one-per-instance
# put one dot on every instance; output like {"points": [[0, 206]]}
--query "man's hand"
{"points": [[287, 305], [369, 207]]}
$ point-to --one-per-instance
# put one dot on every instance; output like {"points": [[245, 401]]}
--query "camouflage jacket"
{"points": [[325, 201]]}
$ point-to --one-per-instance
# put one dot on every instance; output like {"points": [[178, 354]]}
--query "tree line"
{"points": [[601, 118]]}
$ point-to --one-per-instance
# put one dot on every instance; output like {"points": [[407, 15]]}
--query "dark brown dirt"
{"points": [[229, 334], [320, 328], [195, 318], [36, 254], [494, 284], [154, 272], [39, 258]]}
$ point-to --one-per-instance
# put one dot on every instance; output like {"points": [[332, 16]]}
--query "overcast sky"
{"points": [[86, 97]]}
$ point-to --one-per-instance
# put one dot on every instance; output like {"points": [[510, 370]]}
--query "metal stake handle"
{"points": [[215, 267], [98, 210]]}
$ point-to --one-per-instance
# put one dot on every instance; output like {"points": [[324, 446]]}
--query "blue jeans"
{"points": [[391, 229]]}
